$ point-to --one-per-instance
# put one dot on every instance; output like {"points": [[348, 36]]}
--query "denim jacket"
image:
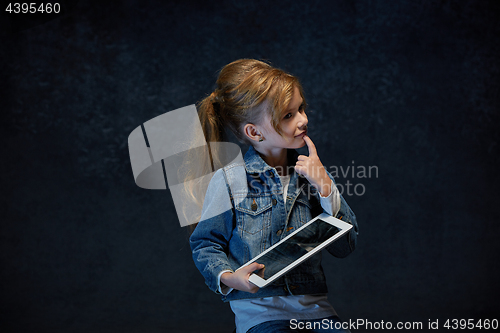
{"points": [[244, 214]]}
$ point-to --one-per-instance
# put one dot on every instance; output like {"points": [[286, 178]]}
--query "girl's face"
{"points": [[293, 125]]}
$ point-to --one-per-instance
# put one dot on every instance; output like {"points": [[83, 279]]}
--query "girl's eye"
{"points": [[301, 108], [287, 116]]}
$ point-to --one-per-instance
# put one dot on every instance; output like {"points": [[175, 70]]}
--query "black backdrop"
{"points": [[410, 87]]}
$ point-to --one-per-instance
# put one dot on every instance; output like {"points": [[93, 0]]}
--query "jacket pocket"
{"points": [[253, 214], [302, 211]]}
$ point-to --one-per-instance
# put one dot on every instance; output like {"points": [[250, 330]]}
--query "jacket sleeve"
{"points": [[343, 246], [210, 239]]}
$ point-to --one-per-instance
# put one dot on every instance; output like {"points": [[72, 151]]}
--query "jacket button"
{"points": [[274, 202], [279, 232], [254, 206]]}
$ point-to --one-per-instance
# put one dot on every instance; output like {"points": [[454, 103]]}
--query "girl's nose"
{"points": [[302, 124]]}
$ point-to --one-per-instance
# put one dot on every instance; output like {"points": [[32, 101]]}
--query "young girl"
{"points": [[250, 206]]}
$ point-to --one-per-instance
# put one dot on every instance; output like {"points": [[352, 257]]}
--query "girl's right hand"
{"points": [[239, 279]]}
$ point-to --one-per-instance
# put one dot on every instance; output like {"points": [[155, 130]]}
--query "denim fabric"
{"points": [[252, 216], [326, 325]]}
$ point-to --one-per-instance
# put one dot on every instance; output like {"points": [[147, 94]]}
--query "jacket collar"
{"points": [[255, 164]]}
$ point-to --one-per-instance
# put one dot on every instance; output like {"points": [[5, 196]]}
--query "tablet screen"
{"points": [[296, 246]]}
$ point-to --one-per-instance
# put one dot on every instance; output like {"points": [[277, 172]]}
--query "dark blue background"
{"points": [[411, 87]]}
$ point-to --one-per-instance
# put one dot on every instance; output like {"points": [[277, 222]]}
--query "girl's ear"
{"points": [[252, 132]]}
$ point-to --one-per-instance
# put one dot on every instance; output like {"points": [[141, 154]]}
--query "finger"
{"points": [[310, 145], [261, 272], [299, 169], [302, 158], [254, 266]]}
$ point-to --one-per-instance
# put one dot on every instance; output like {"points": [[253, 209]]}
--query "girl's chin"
{"points": [[298, 145]]}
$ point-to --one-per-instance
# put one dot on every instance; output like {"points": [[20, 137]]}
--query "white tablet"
{"points": [[297, 247]]}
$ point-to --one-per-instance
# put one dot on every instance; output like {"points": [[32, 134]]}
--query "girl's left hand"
{"points": [[312, 168]]}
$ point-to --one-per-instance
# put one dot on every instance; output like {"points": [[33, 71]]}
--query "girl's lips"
{"points": [[301, 135]]}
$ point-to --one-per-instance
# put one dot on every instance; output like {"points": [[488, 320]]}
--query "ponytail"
{"points": [[201, 161], [210, 119], [212, 122]]}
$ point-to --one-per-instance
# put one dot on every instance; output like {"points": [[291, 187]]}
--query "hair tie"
{"points": [[216, 98], [216, 105]]}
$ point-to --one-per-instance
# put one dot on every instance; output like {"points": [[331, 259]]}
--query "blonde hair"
{"points": [[246, 90]]}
